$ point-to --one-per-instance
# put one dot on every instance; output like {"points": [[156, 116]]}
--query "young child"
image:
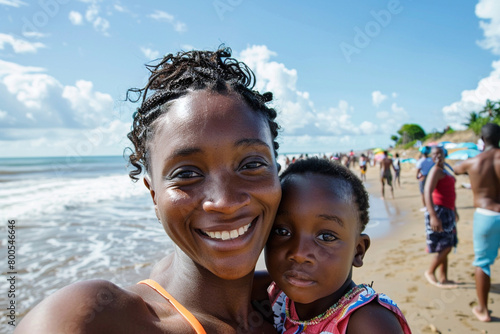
{"points": [[314, 243]]}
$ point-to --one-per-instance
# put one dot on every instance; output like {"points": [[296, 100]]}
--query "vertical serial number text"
{"points": [[11, 273]]}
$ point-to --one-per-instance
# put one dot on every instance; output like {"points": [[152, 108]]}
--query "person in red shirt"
{"points": [[440, 219]]}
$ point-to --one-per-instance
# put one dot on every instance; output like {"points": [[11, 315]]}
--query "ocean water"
{"points": [[83, 218]]}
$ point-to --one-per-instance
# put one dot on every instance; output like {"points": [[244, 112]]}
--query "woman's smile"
{"points": [[225, 234]]}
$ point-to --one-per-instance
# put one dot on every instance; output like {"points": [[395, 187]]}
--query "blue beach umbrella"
{"points": [[467, 145], [410, 160], [463, 154]]}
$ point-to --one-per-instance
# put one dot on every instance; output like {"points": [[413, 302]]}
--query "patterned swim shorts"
{"points": [[438, 241]]}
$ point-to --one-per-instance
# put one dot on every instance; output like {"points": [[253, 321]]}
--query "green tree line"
{"points": [[409, 134], [489, 114]]}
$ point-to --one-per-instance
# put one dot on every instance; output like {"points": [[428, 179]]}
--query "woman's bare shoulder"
{"points": [[92, 306]]}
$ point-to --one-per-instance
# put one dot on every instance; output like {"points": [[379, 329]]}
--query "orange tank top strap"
{"points": [[181, 309]]}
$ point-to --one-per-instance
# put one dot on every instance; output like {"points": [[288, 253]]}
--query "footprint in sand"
{"points": [[409, 299], [413, 288], [430, 329]]}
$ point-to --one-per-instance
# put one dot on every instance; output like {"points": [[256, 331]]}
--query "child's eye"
{"points": [[327, 237], [282, 232]]}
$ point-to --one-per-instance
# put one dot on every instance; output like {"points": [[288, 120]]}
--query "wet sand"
{"points": [[396, 263]]}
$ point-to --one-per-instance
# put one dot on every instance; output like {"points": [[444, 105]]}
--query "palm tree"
{"points": [[491, 108], [473, 117]]}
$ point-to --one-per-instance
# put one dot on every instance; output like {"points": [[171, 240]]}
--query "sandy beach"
{"points": [[396, 263]]}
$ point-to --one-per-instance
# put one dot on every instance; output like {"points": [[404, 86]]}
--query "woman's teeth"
{"points": [[226, 235]]}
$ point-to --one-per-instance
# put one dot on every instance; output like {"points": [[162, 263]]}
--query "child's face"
{"points": [[214, 181], [315, 239]]}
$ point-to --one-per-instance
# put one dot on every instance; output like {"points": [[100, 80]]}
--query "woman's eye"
{"points": [[184, 174], [327, 237], [253, 165], [282, 232]]}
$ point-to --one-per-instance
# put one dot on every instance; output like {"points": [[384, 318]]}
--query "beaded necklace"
{"points": [[331, 310]]}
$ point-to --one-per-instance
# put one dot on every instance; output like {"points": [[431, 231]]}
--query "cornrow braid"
{"points": [[176, 75]]}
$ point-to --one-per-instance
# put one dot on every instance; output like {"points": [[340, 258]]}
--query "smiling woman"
{"points": [[207, 144]]}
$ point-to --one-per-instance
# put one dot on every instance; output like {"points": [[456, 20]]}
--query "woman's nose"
{"points": [[225, 194]]}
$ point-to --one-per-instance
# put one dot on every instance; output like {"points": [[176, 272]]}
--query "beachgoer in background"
{"points": [[396, 162], [386, 174], [207, 143], [484, 175], [440, 219], [352, 158], [371, 158], [315, 242], [424, 165], [345, 160], [362, 166]]}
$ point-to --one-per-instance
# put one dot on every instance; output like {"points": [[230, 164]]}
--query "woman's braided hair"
{"points": [[177, 75]]}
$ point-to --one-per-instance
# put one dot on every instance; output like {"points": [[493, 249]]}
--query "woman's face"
{"points": [[437, 156], [214, 181]]}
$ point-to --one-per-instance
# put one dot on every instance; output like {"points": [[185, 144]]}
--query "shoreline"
{"points": [[396, 263]]}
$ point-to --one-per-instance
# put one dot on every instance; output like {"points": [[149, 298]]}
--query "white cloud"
{"points": [[399, 111], [8, 68], [150, 54], [34, 34], [13, 3], [187, 47], [19, 45], [119, 8], [368, 128], [327, 144], [295, 109], [392, 120], [89, 106], [169, 18], [489, 11], [337, 120], [475, 99], [36, 99], [99, 23], [107, 139], [31, 89], [75, 18], [296, 112], [40, 115], [394, 95], [378, 98]]}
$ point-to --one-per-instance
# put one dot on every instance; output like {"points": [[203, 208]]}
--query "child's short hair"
{"points": [[335, 170]]}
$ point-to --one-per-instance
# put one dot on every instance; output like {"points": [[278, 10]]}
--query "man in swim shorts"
{"points": [[385, 173], [484, 174]]}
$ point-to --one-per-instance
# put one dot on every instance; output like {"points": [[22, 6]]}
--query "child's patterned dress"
{"points": [[335, 319]]}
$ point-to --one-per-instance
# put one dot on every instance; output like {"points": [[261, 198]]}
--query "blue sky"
{"points": [[345, 74]]}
